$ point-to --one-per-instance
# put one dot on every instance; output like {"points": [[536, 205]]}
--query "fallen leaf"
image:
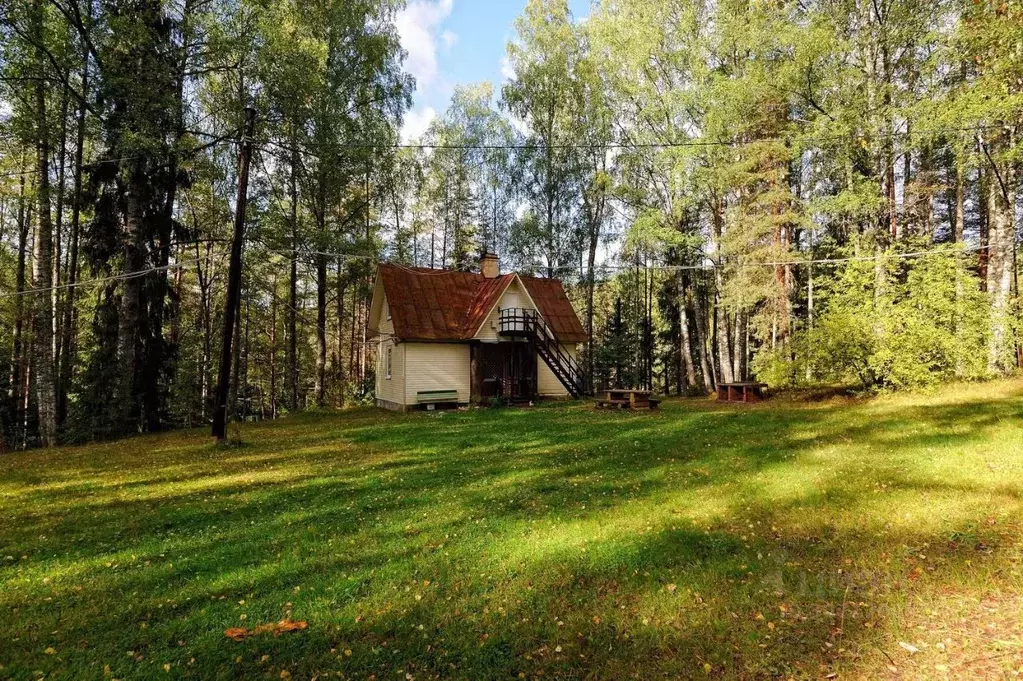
{"points": [[286, 625], [276, 628], [237, 633], [908, 647]]}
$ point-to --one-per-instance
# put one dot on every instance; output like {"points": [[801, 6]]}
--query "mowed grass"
{"points": [[867, 539]]}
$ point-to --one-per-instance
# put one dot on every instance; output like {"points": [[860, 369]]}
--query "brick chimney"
{"points": [[490, 266]]}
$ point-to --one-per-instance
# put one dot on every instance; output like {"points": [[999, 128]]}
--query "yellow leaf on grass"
{"points": [[276, 628]]}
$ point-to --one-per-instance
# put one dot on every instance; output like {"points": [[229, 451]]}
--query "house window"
{"points": [[387, 363], [387, 311]]}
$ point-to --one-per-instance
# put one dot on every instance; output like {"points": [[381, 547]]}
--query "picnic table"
{"points": [[627, 399], [741, 392]]}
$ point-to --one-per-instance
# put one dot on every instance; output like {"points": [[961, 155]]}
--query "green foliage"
{"points": [[926, 322]]}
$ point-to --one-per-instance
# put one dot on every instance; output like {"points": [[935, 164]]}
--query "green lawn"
{"points": [[867, 539]]}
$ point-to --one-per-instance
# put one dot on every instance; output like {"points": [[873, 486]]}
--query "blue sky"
{"points": [[456, 42]]}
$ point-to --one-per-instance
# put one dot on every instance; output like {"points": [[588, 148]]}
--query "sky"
{"points": [[456, 42]]}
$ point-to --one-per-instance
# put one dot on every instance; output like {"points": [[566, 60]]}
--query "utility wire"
{"points": [[607, 267], [608, 146], [671, 268], [102, 280], [641, 145], [217, 139]]}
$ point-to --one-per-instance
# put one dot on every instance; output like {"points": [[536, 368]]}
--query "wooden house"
{"points": [[455, 337]]}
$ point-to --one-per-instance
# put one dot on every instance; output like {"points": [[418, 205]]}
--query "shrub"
{"points": [[908, 323]]}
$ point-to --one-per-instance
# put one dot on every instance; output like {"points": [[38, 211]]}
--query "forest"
{"points": [[814, 192]]}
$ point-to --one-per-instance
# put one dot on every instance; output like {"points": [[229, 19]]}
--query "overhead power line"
{"points": [[704, 266], [102, 280], [695, 142], [607, 267], [608, 146]]}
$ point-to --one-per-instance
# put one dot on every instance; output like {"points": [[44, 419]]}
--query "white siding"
{"points": [[547, 383], [436, 366], [379, 324], [513, 296], [386, 325], [391, 389]]}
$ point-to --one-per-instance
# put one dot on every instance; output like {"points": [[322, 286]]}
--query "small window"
{"points": [[387, 362], [387, 311]]}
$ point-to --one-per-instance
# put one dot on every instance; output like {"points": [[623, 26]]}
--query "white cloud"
{"points": [[418, 26], [416, 123], [507, 70]]}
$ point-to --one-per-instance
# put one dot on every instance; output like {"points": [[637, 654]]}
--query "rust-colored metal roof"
{"points": [[488, 293], [447, 305], [552, 301]]}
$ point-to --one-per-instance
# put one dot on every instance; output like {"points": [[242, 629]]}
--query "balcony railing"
{"points": [[516, 321]]}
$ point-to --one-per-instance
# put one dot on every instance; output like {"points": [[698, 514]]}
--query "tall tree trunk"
{"points": [[364, 310], [722, 325], [42, 266], [273, 347], [959, 215], [1001, 242], [69, 337], [724, 341], [243, 373], [340, 307], [234, 280], [321, 329], [205, 328], [320, 211], [58, 235], [351, 346], [130, 311], [739, 346], [18, 352], [709, 381], [293, 288], [591, 283], [685, 347], [236, 391], [984, 202]]}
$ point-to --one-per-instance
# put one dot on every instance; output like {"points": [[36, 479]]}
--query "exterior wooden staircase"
{"points": [[531, 325]]}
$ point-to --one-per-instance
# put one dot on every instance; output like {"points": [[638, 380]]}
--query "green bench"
{"points": [[431, 398]]}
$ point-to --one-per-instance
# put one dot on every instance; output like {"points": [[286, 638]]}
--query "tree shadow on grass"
{"points": [[556, 542]]}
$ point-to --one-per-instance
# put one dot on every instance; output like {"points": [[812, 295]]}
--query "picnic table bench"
{"points": [[741, 392], [627, 399]]}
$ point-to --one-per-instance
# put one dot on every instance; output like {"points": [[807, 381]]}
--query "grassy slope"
{"points": [[706, 540]]}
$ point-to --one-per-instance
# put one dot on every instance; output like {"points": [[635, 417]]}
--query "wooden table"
{"points": [[741, 392], [627, 399]]}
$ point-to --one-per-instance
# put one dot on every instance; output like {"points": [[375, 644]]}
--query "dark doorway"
{"points": [[504, 370]]}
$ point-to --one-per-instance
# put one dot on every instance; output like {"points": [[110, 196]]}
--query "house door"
{"points": [[521, 372]]}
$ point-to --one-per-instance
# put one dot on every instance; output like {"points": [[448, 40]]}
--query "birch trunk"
{"points": [[42, 264]]}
